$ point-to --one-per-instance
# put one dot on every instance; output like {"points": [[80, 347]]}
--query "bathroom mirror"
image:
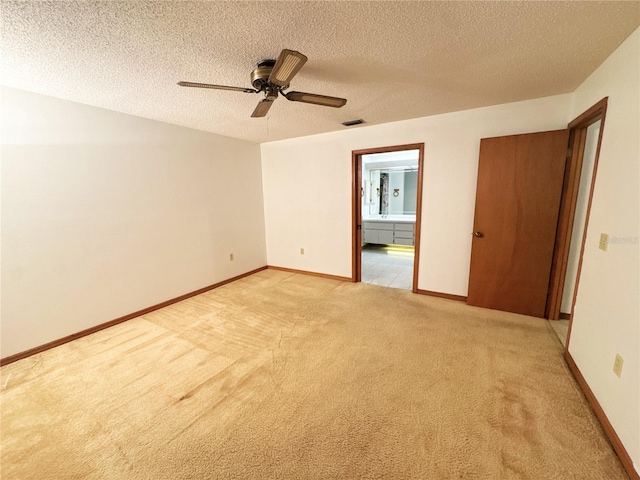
{"points": [[391, 191]]}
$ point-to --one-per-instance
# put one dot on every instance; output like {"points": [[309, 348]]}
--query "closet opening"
{"points": [[585, 138]]}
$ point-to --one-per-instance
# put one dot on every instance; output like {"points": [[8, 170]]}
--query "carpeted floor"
{"points": [[281, 375]]}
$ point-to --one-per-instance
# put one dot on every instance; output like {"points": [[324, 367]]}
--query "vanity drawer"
{"points": [[403, 241], [381, 237], [378, 225], [404, 226], [401, 234]]}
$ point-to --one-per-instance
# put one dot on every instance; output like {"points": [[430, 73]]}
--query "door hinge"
{"points": [[569, 152], [358, 227]]}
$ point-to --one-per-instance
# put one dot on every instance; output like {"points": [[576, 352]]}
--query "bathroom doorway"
{"points": [[387, 201]]}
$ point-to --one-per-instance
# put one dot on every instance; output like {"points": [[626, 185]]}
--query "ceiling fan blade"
{"points": [[217, 87], [289, 62], [262, 108], [323, 100]]}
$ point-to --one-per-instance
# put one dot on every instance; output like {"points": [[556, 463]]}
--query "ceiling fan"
{"points": [[272, 77]]}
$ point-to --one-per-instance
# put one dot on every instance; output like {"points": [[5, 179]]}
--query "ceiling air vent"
{"points": [[351, 123]]}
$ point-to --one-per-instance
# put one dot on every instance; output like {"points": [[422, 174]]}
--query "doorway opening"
{"points": [[387, 200], [528, 239], [585, 138]]}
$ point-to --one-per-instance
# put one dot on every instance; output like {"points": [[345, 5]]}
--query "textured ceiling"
{"points": [[391, 60]]}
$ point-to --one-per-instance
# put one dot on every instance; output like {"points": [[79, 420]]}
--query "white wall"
{"points": [[607, 312], [396, 204], [410, 192], [307, 187], [104, 214]]}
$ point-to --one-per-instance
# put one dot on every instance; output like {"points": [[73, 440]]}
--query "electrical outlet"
{"points": [[604, 242], [231, 257], [302, 251], [617, 365]]}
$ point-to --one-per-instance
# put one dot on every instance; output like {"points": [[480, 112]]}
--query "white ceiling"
{"points": [[391, 60]]}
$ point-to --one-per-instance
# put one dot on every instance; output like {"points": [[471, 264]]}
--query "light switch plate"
{"points": [[604, 242], [617, 365]]}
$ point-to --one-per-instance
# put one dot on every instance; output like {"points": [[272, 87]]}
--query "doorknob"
{"points": [[478, 234]]}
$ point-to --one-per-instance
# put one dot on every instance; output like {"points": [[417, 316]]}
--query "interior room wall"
{"points": [[607, 312], [104, 214], [307, 187]]}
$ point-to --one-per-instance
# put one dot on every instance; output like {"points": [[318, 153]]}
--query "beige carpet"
{"points": [[289, 376]]}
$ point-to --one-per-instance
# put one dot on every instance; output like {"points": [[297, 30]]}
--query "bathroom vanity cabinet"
{"points": [[388, 232]]}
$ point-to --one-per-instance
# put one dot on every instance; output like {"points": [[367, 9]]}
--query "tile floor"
{"points": [[561, 327], [388, 265]]}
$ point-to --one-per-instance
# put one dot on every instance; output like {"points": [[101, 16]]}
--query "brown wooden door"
{"points": [[517, 203]]}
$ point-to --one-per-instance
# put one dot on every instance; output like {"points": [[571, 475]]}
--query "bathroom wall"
{"points": [[410, 192], [396, 181]]}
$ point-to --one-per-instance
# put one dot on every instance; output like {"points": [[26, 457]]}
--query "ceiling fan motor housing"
{"points": [[260, 76]]}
